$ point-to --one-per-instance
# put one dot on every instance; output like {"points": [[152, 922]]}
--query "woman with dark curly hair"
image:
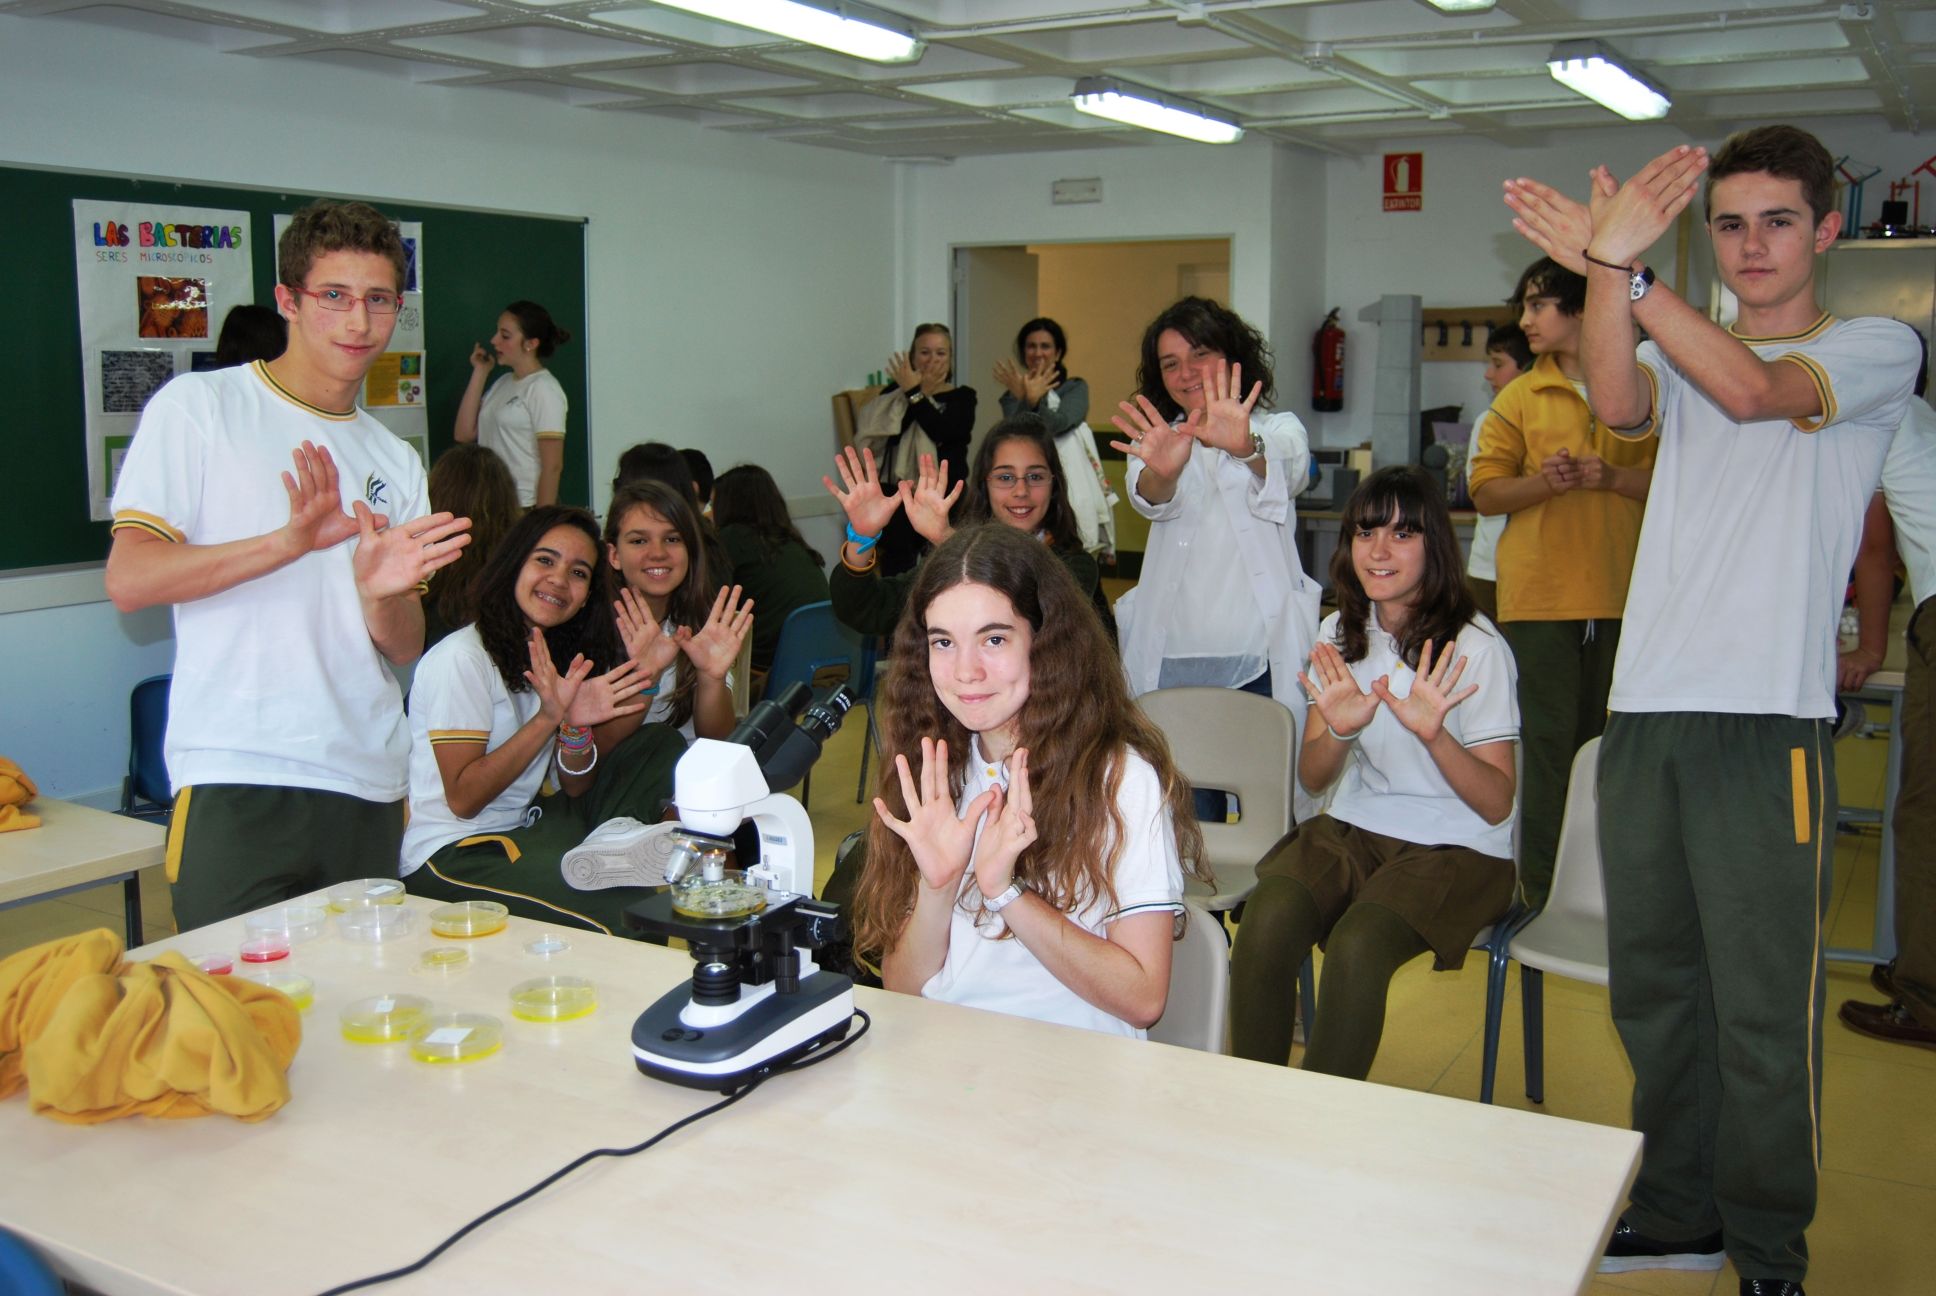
{"points": [[1223, 600], [506, 701], [1027, 855]]}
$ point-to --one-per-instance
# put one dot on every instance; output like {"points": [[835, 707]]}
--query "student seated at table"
{"points": [[1412, 724], [509, 700], [772, 561], [468, 481], [1030, 826]]}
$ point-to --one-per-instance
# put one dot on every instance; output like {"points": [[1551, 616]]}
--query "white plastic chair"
{"points": [[1235, 742], [1197, 1015], [1568, 937]]}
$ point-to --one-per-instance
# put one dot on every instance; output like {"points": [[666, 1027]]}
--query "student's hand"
{"points": [[1853, 668], [1010, 830], [1561, 471], [645, 640], [605, 697], [1424, 709], [556, 692], [1036, 384], [929, 503], [1335, 694], [482, 360], [1552, 222], [1162, 448], [1641, 210], [395, 560], [904, 375], [939, 839], [715, 646], [1595, 473], [316, 516], [1010, 375], [868, 508], [1226, 424]]}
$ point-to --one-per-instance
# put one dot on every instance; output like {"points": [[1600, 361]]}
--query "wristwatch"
{"points": [[1642, 280], [1004, 900], [1256, 449]]}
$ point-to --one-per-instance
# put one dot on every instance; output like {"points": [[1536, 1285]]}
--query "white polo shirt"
{"points": [[984, 971], [1751, 528], [276, 680], [1389, 784], [1909, 487], [517, 413]]}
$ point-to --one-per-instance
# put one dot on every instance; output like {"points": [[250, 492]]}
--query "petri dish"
{"points": [[365, 891], [296, 922], [376, 923], [443, 960], [730, 896], [469, 918], [547, 946], [265, 949], [300, 989], [456, 1037], [217, 964], [384, 1019], [553, 999]]}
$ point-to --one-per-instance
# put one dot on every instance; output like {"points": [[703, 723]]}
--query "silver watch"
{"points": [[1004, 900], [1256, 448]]}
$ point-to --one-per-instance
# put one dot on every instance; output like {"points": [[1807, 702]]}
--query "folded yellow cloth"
{"points": [[16, 789], [93, 1038]]}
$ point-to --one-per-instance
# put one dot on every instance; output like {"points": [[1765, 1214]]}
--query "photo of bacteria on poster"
{"points": [[129, 378], [171, 308]]}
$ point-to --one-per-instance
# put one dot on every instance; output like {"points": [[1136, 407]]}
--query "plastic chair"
{"points": [[145, 792], [816, 650], [1236, 742], [23, 1272], [1197, 1015], [743, 678], [1568, 937]]}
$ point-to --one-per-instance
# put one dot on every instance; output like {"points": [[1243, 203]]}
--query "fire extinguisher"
{"points": [[1327, 369]]}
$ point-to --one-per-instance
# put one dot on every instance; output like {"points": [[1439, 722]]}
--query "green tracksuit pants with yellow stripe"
{"points": [[1713, 837]]}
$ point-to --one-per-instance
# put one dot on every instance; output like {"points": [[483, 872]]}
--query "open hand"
{"points": [[645, 640], [1010, 375], [1552, 222], [606, 697], [931, 501], [316, 516], [1642, 209], [1226, 423], [939, 839], [394, 560], [715, 645], [1163, 449], [904, 374], [868, 508], [1010, 830], [1424, 709], [1036, 384], [556, 692], [1335, 694]]}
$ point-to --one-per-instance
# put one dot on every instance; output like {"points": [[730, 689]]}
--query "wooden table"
{"points": [[948, 1150], [75, 848]]}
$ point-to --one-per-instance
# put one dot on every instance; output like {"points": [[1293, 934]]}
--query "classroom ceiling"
{"points": [[1337, 75]]}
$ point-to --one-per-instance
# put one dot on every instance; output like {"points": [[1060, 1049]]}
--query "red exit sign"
{"points": [[1404, 181]]}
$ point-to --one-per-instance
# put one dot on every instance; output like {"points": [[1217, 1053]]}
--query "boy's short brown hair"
{"points": [[325, 226], [1788, 152]]}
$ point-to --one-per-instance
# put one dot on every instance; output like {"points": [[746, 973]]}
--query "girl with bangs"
{"points": [[1029, 861], [1412, 726]]}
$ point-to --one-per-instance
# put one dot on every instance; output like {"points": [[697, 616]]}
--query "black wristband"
{"points": [[1610, 265]]}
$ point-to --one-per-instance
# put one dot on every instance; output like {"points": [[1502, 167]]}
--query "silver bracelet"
{"points": [[578, 773], [1353, 737]]}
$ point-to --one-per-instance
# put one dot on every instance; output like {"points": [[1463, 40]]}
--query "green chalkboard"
{"points": [[475, 263]]}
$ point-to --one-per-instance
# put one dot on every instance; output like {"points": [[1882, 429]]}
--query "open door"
{"points": [[995, 294]]}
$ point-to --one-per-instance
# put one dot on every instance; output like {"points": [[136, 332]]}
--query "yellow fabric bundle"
{"points": [[93, 1038], [16, 790]]}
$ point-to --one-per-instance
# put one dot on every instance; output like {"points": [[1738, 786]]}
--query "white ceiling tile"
{"points": [[703, 78], [531, 46]]}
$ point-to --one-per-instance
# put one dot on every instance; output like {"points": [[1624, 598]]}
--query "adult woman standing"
{"points": [[1041, 385], [1223, 600], [920, 411], [522, 415]]}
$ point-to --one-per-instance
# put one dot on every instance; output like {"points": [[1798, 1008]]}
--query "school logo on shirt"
{"points": [[373, 489]]}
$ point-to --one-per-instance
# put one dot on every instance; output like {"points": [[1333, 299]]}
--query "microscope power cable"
{"points": [[814, 1058]]}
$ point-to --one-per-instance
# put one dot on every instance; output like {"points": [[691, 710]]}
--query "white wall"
{"points": [[735, 282]]}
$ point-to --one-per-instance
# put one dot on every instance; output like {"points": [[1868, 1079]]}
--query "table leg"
{"points": [[131, 903]]}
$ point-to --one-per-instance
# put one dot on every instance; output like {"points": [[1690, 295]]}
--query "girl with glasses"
{"points": [[1040, 384]]}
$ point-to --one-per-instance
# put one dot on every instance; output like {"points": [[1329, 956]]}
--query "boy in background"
{"points": [[1507, 357]]}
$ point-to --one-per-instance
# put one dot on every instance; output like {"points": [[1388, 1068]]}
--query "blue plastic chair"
{"points": [[816, 650], [23, 1272], [145, 792]]}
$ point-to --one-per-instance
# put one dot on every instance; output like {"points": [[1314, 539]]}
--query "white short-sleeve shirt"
{"points": [[1909, 488], [276, 680], [517, 413], [1482, 561], [458, 696], [1751, 528], [984, 971], [1389, 784]]}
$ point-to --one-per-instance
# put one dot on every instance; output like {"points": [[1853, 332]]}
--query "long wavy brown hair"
{"points": [[692, 602], [1444, 604], [1078, 724]]}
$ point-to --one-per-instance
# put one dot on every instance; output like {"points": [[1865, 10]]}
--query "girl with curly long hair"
{"points": [[511, 698], [1028, 851], [1412, 727]]}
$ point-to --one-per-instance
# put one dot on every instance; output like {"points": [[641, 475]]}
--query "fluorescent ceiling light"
{"points": [[1152, 110], [829, 25], [1589, 68], [1462, 6]]}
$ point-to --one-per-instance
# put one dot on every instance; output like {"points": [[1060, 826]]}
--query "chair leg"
{"points": [[1307, 996], [1495, 1011], [871, 741], [131, 909], [1532, 990]]}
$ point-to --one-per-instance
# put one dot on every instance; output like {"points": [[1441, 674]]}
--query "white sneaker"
{"points": [[620, 852]]}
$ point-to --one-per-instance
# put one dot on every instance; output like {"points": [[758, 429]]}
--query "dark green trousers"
{"points": [[1714, 832], [1565, 671], [1916, 824]]}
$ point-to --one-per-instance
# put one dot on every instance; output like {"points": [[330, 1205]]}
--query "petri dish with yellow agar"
{"points": [[469, 918], [375, 924], [384, 1019], [299, 988], [727, 896], [553, 999], [443, 960], [365, 891], [456, 1037]]}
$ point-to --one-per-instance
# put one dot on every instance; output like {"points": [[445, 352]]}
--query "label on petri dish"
{"points": [[385, 888], [448, 1035], [384, 1005]]}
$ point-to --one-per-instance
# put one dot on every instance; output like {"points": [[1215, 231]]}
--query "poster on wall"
{"points": [[154, 283], [1404, 182], [394, 391]]}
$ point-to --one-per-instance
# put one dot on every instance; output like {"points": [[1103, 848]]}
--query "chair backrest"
{"points": [[1237, 742], [743, 678], [1577, 886], [147, 725], [814, 649], [1199, 985]]}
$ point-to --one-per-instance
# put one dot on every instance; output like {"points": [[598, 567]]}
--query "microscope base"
{"points": [[770, 1033]]}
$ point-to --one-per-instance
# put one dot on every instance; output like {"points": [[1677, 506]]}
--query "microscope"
{"points": [[756, 1000]]}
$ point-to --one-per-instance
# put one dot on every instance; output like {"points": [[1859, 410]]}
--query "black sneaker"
{"points": [[1628, 1250], [1771, 1287]]}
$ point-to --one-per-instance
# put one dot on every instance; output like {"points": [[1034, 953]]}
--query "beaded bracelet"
{"points": [[860, 542], [573, 739]]}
